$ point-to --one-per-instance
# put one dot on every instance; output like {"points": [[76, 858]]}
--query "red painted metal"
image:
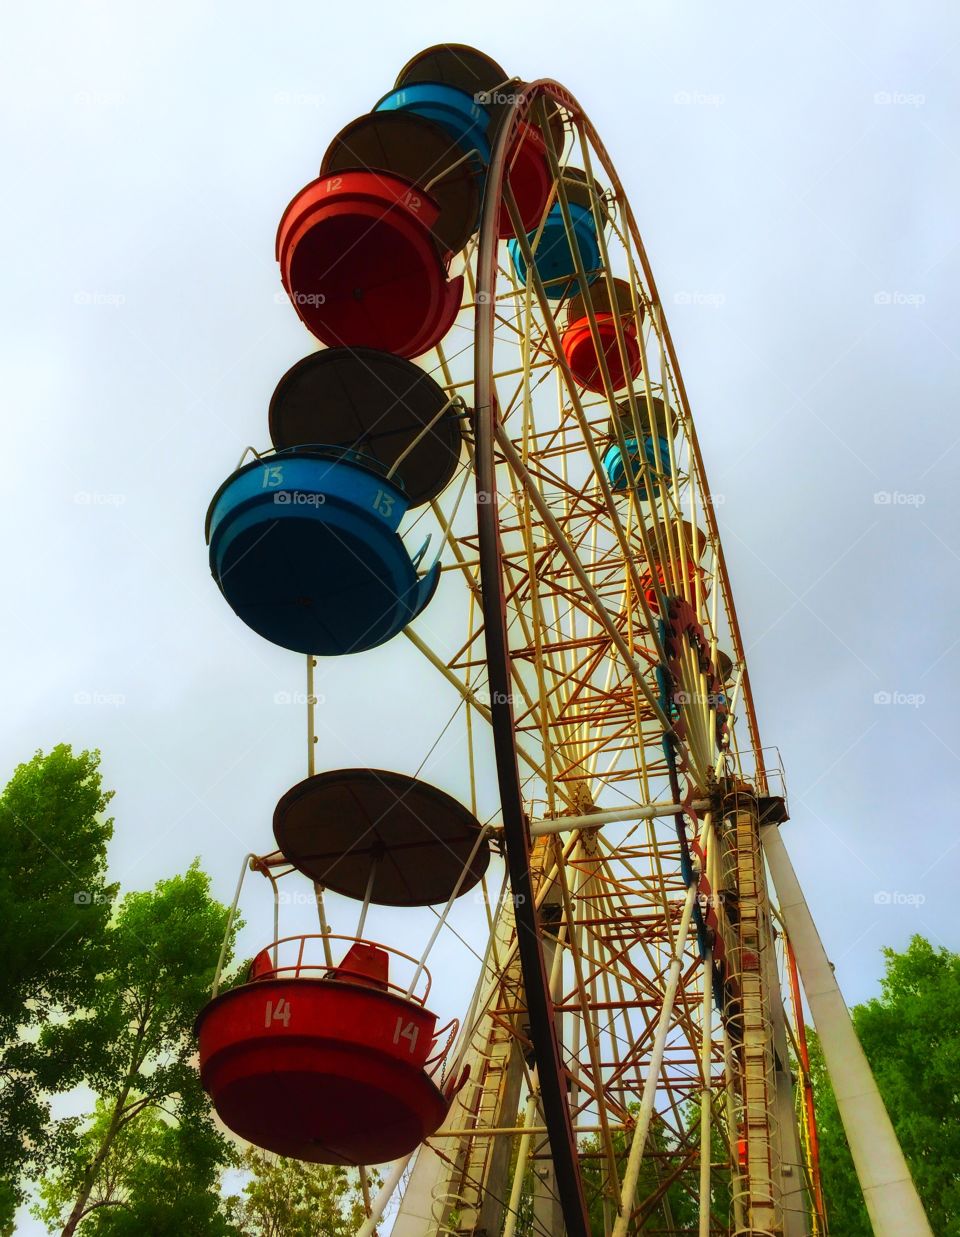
{"points": [[664, 577], [580, 352], [333, 1066], [529, 178], [360, 263], [810, 1112]]}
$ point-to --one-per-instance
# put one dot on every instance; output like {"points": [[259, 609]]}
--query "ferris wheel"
{"points": [[492, 459]]}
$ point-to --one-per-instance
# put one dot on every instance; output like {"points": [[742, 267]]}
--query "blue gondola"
{"points": [[657, 452], [305, 549], [454, 110], [554, 259]]}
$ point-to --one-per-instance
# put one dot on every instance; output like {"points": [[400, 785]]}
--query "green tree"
{"points": [[287, 1198], [133, 1044], [909, 1034], [159, 1176], [675, 1206], [54, 906]]}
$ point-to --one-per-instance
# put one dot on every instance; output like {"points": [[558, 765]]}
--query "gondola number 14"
{"points": [[277, 1011], [408, 1032]]}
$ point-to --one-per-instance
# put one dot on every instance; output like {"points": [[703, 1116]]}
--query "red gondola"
{"points": [[580, 352], [332, 1064], [609, 302], [360, 263], [694, 543], [530, 180]]}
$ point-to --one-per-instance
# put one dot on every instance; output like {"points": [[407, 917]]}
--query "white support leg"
{"points": [[888, 1190]]}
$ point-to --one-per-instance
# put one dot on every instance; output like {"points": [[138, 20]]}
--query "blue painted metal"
{"points": [[657, 452], [553, 258], [454, 110], [305, 549]]}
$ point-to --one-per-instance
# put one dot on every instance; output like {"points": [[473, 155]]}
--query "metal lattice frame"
{"points": [[560, 656]]}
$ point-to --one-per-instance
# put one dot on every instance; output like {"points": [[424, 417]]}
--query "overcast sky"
{"points": [[795, 172]]}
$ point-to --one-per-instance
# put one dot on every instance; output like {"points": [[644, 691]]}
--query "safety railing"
{"points": [[288, 958]]}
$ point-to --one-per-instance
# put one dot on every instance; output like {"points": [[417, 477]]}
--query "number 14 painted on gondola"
{"points": [[277, 1011]]}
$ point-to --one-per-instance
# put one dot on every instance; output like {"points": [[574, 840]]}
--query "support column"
{"points": [[748, 1012], [888, 1190]]}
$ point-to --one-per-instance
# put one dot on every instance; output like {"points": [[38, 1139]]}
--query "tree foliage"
{"points": [[101, 995], [287, 1198], [672, 1205], [909, 1034], [54, 907], [133, 1042], [159, 1176]]}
